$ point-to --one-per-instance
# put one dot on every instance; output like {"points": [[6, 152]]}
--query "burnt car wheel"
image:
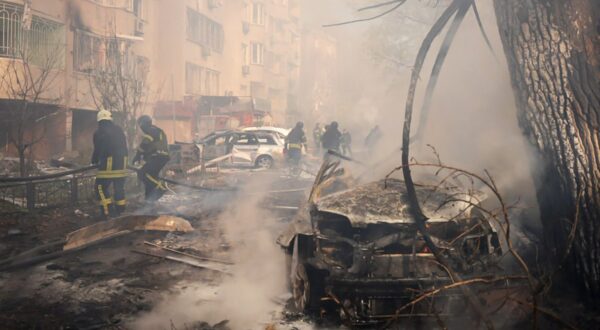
{"points": [[307, 285], [306, 289], [264, 162]]}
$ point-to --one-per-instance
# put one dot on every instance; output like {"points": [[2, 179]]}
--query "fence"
{"points": [[49, 193], [66, 188], [57, 192]]}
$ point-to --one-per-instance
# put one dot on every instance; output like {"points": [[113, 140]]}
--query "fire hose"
{"points": [[4, 180], [48, 176]]}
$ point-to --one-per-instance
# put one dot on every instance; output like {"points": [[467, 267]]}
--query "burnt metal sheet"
{"points": [[119, 226], [378, 202]]}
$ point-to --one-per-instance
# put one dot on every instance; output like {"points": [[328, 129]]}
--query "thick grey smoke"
{"points": [[248, 297], [473, 120]]}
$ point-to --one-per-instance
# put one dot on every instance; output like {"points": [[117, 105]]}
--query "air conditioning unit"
{"points": [[206, 51], [139, 27], [212, 4], [246, 70], [245, 27]]}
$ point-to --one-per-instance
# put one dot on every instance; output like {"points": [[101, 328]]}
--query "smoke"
{"points": [[473, 119], [246, 298]]}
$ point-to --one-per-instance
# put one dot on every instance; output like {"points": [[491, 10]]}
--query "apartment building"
{"points": [[319, 52], [238, 50], [224, 50], [78, 36]]}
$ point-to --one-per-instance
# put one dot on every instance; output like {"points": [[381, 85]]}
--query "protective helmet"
{"points": [[104, 115], [144, 121], [300, 124], [334, 124]]}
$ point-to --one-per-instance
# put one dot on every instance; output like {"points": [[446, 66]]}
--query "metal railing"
{"points": [[49, 193], [52, 193]]}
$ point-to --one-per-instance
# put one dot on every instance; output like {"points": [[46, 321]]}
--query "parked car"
{"points": [[356, 246], [246, 149]]}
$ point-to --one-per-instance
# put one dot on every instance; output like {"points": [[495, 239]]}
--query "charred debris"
{"points": [[355, 251]]}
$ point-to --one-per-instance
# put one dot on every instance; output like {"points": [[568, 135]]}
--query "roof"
{"points": [[282, 131], [374, 203]]}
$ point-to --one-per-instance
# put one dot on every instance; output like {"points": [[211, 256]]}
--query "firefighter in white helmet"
{"points": [[110, 154]]}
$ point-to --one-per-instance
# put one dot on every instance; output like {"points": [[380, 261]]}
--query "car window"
{"points": [[220, 140], [266, 139], [246, 139]]}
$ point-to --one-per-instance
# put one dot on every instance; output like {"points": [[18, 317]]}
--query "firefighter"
{"points": [[331, 138], [294, 142], [154, 151], [110, 155]]}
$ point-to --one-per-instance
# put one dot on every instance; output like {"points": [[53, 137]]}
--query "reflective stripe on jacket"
{"points": [[110, 151], [154, 143]]}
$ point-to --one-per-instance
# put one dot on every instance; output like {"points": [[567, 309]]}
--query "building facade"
{"points": [[187, 50]]}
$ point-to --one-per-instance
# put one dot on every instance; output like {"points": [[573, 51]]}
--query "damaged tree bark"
{"points": [[553, 53]]}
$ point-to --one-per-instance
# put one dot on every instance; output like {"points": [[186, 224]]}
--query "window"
{"points": [[42, 37], [222, 140], [266, 139], [204, 31], [201, 81], [257, 14], [246, 139], [94, 52], [258, 51], [193, 79], [211, 86], [137, 8], [245, 55]]}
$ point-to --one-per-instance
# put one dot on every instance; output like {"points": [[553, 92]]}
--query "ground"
{"points": [[110, 286]]}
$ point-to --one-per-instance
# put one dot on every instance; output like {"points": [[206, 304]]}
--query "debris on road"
{"points": [[188, 255], [119, 226], [215, 266]]}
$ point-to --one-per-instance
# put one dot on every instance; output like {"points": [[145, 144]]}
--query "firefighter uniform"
{"points": [[154, 150], [294, 142], [110, 154]]}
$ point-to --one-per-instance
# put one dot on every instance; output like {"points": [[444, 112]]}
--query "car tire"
{"points": [[264, 161], [307, 285]]}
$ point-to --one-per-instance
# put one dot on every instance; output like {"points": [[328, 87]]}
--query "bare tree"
{"points": [[120, 83], [28, 80]]}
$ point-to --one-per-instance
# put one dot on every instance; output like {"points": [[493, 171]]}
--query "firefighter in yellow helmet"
{"points": [[154, 150], [110, 154]]}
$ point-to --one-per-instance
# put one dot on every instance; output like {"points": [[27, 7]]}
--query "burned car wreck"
{"points": [[355, 249]]}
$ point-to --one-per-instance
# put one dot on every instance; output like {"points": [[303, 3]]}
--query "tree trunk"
{"points": [[553, 53], [22, 163]]}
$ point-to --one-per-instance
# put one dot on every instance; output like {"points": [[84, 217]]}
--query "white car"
{"points": [[244, 149]]}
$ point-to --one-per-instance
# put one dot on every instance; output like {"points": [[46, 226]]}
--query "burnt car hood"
{"points": [[386, 202]]}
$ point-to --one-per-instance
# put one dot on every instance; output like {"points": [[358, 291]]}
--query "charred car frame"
{"points": [[357, 249]]}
